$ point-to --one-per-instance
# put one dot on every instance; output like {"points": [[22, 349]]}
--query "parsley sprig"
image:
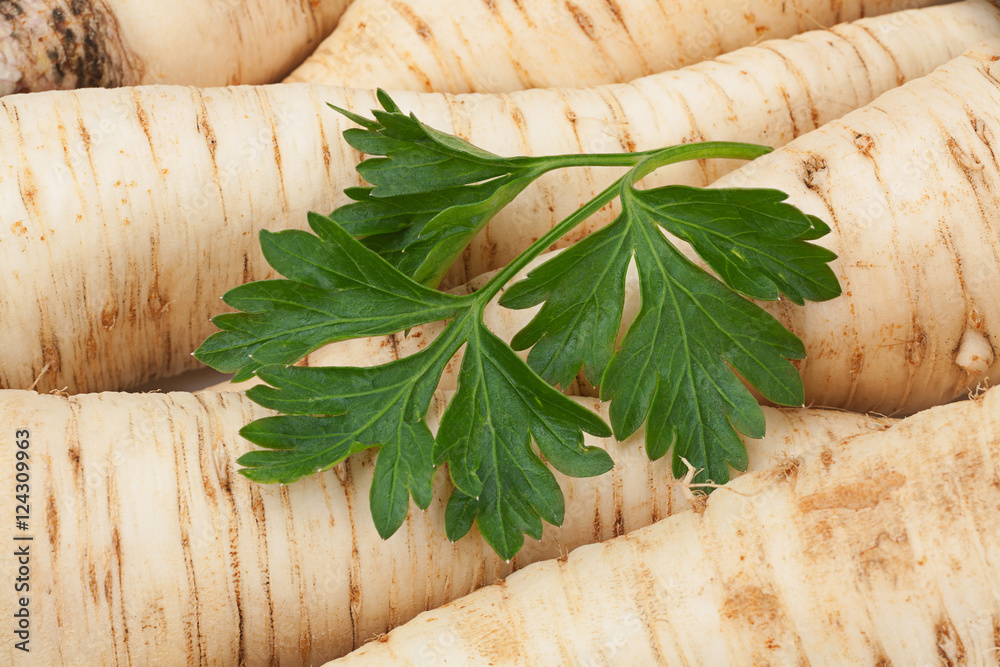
{"points": [[370, 267]]}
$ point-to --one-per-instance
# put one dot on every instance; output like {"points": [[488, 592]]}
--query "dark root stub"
{"points": [[60, 44]]}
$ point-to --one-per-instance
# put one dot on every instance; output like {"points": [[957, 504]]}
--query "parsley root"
{"points": [[881, 551], [60, 44], [428, 45], [172, 204], [911, 186], [150, 548]]}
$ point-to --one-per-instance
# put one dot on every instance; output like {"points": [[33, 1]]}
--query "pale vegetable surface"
{"points": [[883, 551], [909, 186], [149, 547], [61, 44], [505, 45], [165, 188]]}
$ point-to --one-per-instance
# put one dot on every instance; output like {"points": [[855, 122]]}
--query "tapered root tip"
{"points": [[10, 75]]}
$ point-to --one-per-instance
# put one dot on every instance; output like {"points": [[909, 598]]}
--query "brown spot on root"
{"points": [[52, 519], [391, 339], [133, 310], [619, 501], [109, 315], [204, 128], [616, 11], [73, 453], [92, 581], [857, 359], [143, 118], [91, 347], [50, 351], [18, 228], [109, 594], [419, 26], [979, 126], [865, 143], [916, 345], [283, 194], [598, 533], [826, 457], [890, 555], [652, 488], [975, 319], [29, 192], [753, 605], [857, 496], [156, 304], [816, 168], [246, 268], [760, 613], [951, 650], [66, 45], [582, 20], [791, 111], [621, 121], [10, 9], [968, 163], [785, 469]]}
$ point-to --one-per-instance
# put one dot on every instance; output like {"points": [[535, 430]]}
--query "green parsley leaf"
{"points": [[423, 235], [485, 436], [331, 413], [432, 192], [505, 425], [336, 290], [751, 238], [675, 365], [418, 158]]}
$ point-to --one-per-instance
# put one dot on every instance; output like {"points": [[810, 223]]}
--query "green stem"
{"points": [[705, 150], [496, 283], [644, 164], [726, 150]]}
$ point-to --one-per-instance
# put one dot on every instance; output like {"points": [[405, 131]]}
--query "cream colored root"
{"points": [[506, 45], [883, 551], [768, 94], [149, 548], [127, 213], [911, 187], [64, 44]]}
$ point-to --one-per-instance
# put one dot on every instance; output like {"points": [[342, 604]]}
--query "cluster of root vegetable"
{"points": [[867, 530]]}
